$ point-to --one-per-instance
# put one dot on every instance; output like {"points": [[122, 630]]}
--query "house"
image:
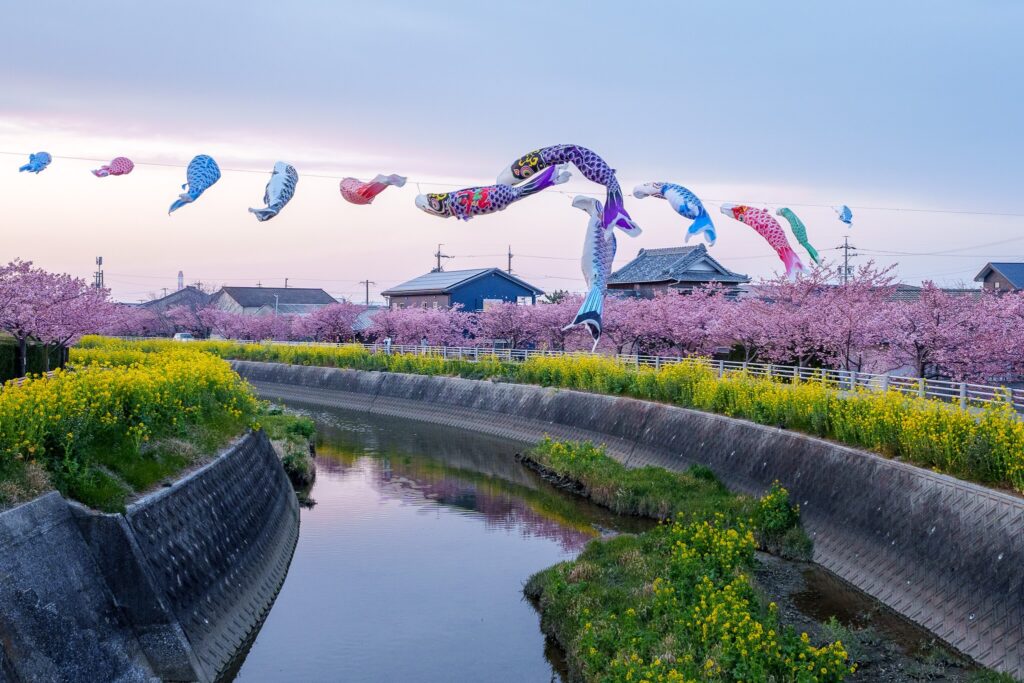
{"points": [[672, 269], [473, 289], [1002, 277], [190, 297], [911, 293], [271, 300]]}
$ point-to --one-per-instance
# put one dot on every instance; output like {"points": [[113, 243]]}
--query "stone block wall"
{"points": [[174, 589]]}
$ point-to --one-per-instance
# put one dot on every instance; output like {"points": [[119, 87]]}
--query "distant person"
{"points": [[424, 342], [387, 345]]}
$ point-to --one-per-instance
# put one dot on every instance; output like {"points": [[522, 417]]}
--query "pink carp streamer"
{"points": [[118, 166], [358, 192], [765, 225]]}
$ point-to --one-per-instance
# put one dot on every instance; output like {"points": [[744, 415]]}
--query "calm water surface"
{"points": [[411, 565]]}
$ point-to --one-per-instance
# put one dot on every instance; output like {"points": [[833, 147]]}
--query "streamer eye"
{"points": [[526, 166], [437, 201]]}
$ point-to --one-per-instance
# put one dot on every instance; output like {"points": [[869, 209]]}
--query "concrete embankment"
{"points": [[173, 589], [947, 554]]}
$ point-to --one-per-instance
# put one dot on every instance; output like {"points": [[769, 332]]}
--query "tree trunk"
{"points": [[22, 357], [46, 357]]}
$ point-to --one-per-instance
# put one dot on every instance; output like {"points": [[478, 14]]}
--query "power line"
{"points": [[367, 283], [955, 212], [439, 255]]}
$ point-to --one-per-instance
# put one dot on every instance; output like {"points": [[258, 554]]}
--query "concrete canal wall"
{"points": [[947, 554], [173, 589]]}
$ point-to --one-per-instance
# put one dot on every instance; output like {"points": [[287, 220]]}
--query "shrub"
{"points": [[984, 444], [675, 604], [93, 429]]}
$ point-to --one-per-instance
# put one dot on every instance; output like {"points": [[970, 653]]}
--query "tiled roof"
{"points": [[445, 281], [288, 309], [186, 296], [254, 297], [1014, 272], [911, 293], [674, 264]]}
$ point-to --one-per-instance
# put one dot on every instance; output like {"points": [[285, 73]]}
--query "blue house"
{"points": [[473, 289]]}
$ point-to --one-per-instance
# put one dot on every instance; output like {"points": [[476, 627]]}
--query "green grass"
{"points": [[664, 495], [674, 603], [105, 476], [291, 434]]}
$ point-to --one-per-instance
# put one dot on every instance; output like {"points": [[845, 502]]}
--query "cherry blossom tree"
{"points": [[63, 323], [923, 334], [333, 323], [187, 319], [852, 320], [27, 296], [440, 326], [127, 320], [509, 323]]}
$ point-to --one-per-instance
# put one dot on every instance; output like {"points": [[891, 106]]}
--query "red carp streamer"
{"points": [[118, 166], [359, 192]]}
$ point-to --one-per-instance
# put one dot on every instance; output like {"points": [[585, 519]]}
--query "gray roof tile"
{"points": [[673, 265], [254, 297], [447, 280]]}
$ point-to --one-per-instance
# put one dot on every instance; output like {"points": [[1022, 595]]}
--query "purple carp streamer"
{"points": [[478, 201], [593, 168]]}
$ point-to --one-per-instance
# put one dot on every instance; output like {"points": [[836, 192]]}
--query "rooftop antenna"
{"points": [[510, 259]]}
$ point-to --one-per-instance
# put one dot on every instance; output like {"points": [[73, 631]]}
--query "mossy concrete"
{"points": [[174, 589]]}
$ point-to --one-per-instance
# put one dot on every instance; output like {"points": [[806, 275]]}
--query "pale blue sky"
{"points": [[896, 104]]}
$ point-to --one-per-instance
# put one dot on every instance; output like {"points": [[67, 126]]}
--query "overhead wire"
{"points": [[418, 183]]}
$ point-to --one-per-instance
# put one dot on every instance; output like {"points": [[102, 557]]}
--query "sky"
{"points": [[914, 105]]}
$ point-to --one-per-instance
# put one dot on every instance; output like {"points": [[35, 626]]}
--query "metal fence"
{"points": [[965, 394]]}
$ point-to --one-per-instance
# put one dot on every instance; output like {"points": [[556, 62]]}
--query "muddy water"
{"points": [[410, 567]]}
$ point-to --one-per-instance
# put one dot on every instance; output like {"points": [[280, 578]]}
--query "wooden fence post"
{"points": [[963, 395]]}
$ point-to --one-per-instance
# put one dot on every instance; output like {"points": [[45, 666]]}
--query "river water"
{"points": [[411, 564]]}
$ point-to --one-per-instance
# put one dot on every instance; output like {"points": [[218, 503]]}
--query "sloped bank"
{"points": [[947, 554], [173, 589]]}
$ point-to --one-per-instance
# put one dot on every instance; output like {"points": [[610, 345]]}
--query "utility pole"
{"points": [[439, 256], [510, 259], [847, 248], [368, 283], [98, 275]]}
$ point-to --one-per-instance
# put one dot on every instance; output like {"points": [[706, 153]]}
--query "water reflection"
{"points": [[411, 565]]}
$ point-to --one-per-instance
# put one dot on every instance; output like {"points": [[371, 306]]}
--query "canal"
{"points": [[412, 557], [411, 563]]}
